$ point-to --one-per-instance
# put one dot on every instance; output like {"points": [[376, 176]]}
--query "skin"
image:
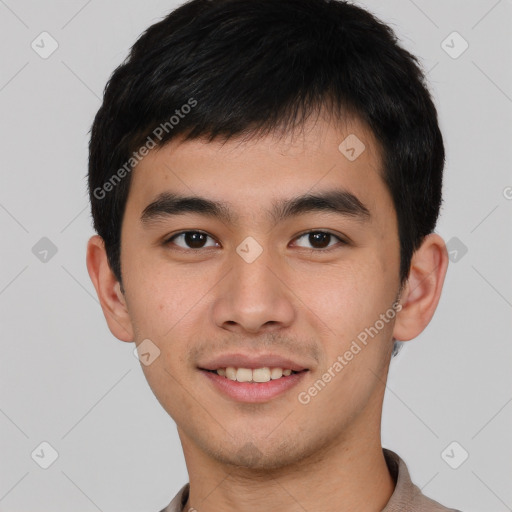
{"points": [[194, 304]]}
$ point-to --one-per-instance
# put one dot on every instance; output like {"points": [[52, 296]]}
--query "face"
{"points": [[288, 257]]}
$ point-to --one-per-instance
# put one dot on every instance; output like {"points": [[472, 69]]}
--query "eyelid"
{"points": [[341, 239], [344, 240], [168, 239]]}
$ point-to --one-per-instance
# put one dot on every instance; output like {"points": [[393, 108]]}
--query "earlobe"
{"points": [[108, 289], [422, 291]]}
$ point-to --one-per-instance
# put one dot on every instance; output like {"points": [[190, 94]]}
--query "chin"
{"points": [[261, 455]]}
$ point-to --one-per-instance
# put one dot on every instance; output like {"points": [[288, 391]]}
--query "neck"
{"points": [[346, 477]]}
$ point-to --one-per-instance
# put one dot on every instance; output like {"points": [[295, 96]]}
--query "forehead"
{"points": [[251, 173]]}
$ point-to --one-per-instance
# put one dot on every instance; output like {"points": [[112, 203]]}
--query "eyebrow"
{"points": [[339, 201]]}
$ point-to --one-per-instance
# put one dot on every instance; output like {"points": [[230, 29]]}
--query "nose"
{"points": [[254, 297]]}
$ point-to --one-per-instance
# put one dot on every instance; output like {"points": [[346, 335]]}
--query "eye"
{"points": [[319, 240], [191, 240]]}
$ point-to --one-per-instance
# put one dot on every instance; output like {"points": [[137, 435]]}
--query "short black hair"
{"points": [[222, 68]]}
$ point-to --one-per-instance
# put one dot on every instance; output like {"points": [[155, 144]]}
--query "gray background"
{"points": [[67, 381]]}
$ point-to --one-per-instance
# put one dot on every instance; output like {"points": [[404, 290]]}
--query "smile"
{"points": [[258, 385], [253, 375]]}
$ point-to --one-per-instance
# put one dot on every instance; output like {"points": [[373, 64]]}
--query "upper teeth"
{"points": [[256, 375]]}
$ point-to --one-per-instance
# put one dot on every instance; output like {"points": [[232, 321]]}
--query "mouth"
{"points": [[253, 385], [254, 376]]}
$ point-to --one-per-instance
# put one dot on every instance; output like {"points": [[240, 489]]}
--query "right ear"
{"points": [[112, 300]]}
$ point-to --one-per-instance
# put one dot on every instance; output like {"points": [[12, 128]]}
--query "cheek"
{"points": [[168, 303], [347, 302], [344, 296], [158, 313]]}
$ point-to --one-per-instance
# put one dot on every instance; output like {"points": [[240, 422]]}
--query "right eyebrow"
{"points": [[338, 201], [167, 204]]}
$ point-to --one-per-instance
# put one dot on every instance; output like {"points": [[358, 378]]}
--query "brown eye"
{"points": [[191, 240], [319, 240]]}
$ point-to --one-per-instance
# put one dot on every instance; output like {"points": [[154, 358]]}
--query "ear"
{"points": [[108, 288], [422, 290]]}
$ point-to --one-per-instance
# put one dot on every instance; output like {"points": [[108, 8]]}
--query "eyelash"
{"points": [[169, 240]]}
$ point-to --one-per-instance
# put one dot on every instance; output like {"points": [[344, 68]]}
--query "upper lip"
{"points": [[252, 361]]}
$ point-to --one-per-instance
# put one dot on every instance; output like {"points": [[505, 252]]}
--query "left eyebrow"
{"points": [[340, 202]]}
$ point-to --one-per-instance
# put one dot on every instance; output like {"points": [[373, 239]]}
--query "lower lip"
{"points": [[257, 392]]}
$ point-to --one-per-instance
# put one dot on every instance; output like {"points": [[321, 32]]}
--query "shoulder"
{"points": [[408, 496], [179, 500]]}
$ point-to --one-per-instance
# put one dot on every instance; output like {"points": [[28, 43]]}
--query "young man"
{"points": [[265, 178]]}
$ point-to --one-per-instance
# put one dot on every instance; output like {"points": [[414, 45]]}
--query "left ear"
{"points": [[423, 288]]}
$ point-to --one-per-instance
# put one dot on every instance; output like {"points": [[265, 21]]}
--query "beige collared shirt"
{"points": [[406, 497]]}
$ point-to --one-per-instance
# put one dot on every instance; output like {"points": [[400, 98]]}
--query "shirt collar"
{"points": [[406, 495]]}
